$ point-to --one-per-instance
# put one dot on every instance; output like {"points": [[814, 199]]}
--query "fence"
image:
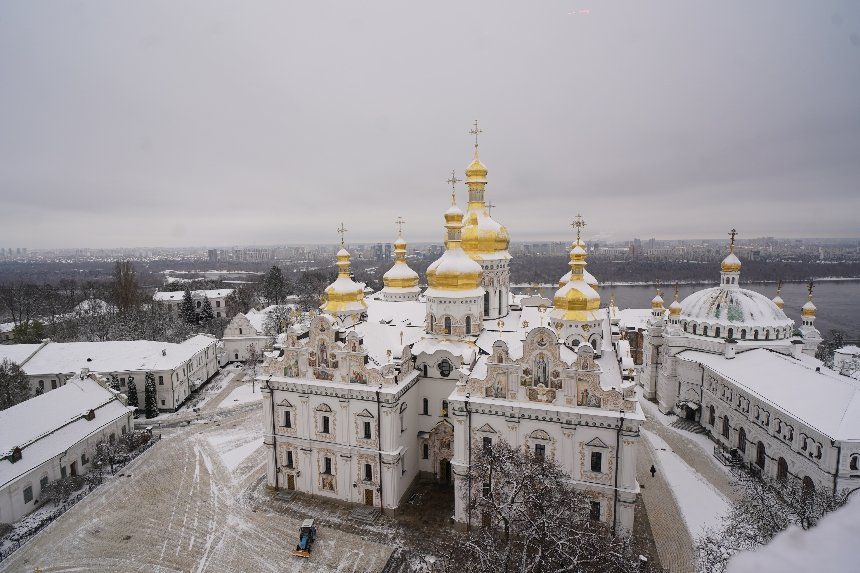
{"points": [[16, 539]]}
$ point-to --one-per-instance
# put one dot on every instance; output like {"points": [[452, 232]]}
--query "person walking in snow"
{"points": [[653, 470]]}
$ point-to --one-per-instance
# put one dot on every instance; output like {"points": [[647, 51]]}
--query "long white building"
{"points": [[402, 386]]}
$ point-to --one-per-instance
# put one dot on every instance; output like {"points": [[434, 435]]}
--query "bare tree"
{"points": [[765, 508], [530, 519], [126, 293]]}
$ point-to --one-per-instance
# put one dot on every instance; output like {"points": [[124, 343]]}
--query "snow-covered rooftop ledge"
{"points": [[321, 387], [556, 412]]}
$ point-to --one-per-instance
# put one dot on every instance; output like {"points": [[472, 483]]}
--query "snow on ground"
{"points": [[701, 505], [241, 395], [234, 447]]}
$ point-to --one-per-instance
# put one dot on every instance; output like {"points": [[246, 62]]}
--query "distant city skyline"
{"points": [[267, 123]]}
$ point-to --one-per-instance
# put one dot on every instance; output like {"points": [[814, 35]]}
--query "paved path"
{"points": [[674, 544], [186, 505]]}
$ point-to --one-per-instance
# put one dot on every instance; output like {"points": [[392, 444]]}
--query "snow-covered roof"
{"points": [[113, 356], [849, 350], [733, 307], [385, 321], [634, 317], [430, 344], [48, 425], [825, 400], [18, 353], [178, 295]]}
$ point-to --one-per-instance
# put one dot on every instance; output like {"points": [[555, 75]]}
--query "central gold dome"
{"points": [[481, 234]]}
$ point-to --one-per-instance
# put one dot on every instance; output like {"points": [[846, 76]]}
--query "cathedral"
{"points": [[403, 385]]}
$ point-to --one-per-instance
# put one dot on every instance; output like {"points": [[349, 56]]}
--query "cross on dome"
{"points": [[732, 234], [399, 222], [490, 208], [475, 131], [578, 224], [809, 288], [341, 230], [453, 181]]}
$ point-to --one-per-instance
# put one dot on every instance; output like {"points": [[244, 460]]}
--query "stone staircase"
{"points": [[688, 426], [365, 514]]}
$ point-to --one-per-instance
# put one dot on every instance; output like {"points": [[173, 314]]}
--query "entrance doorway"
{"points": [[368, 497], [73, 468], [444, 471], [291, 482]]}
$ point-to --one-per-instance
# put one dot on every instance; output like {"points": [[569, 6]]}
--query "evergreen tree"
{"points": [[206, 314], [132, 392], [186, 309], [274, 285], [14, 386], [149, 396], [125, 290], [114, 382]]}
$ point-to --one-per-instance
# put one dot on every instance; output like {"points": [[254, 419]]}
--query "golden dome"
{"points": [[808, 309], [400, 276], [454, 270], [344, 295], [476, 172], [675, 308], [731, 264], [481, 234], [657, 301], [576, 298]]}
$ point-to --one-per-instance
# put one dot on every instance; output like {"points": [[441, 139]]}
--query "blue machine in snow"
{"points": [[307, 533]]}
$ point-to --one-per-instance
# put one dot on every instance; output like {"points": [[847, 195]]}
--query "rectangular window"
{"points": [[162, 402], [368, 472], [596, 462], [486, 489], [161, 380], [43, 483], [540, 451], [326, 425], [28, 494], [288, 422], [122, 381], [487, 443], [594, 514], [217, 304], [367, 430], [62, 471], [84, 460], [444, 407], [289, 458], [426, 452], [53, 384], [425, 407], [327, 465]]}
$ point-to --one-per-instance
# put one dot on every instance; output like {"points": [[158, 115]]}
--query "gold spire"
{"points": [[657, 301], [344, 295], [809, 308], [731, 264], [675, 307], [777, 300], [454, 270], [400, 275]]}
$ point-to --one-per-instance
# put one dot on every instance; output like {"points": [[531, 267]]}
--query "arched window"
{"points": [[447, 325], [711, 415], [725, 426], [500, 303], [432, 322], [760, 455], [731, 333], [705, 330], [743, 334], [854, 464], [486, 303], [808, 486], [694, 329], [755, 334], [425, 404], [767, 335], [594, 343], [742, 440], [717, 332], [781, 469], [468, 325]]}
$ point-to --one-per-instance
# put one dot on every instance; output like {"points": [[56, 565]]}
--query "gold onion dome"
{"points": [[344, 295], [657, 301], [481, 233], [587, 276], [675, 307], [454, 270], [777, 300], [809, 308], [400, 275], [731, 264], [576, 298]]}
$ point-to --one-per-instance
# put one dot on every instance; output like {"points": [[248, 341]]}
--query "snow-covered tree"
{"points": [[14, 386], [132, 393], [150, 396], [274, 285], [186, 308], [278, 320], [206, 313], [527, 517], [114, 382], [764, 508]]}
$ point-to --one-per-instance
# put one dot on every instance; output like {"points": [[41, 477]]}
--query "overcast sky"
{"points": [[218, 123]]}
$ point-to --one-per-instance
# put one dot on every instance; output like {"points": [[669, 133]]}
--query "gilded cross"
{"points": [[578, 223], [341, 230], [490, 208], [732, 234], [778, 286], [475, 131], [399, 222], [453, 181], [676, 291], [809, 289]]}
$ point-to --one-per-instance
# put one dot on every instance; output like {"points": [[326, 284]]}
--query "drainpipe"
{"points": [[469, 484], [274, 437], [617, 454], [836, 473], [379, 447]]}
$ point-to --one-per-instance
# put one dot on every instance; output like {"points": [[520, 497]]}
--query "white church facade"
{"points": [[404, 385]]}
